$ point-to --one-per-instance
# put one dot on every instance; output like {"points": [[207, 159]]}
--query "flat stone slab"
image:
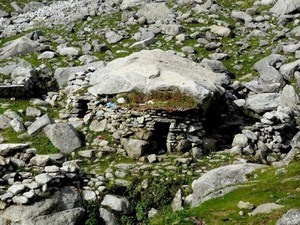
{"points": [[7, 149], [221, 181], [150, 70]]}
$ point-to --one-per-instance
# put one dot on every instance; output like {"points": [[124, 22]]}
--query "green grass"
{"points": [[266, 187], [40, 142], [168, 100], [13, 104]]}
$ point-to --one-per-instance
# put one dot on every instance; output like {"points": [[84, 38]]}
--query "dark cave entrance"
{"points": [[160, 136]]}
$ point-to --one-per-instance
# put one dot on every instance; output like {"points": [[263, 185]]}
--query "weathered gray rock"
{"points": [[291, 217], [63, 136], [135, 148], [40, 160], [117, 203], [16, 188], [61, 201], [246, 18], [220, 181], [67, 51], [220, 30], [154, 12], [177, 201], [289, 98], [288, 70], [113, 37], [263, 102], [17, 125], [8, 149], [108, 217], [156, 69], [240, 140], [19, 46], [39, 124], [285, 7], [4, 122], [98, 126], [265, 208], [62, 74]]}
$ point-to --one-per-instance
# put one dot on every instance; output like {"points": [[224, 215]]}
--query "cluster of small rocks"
{"points": [[268, 140], [40, 175]]}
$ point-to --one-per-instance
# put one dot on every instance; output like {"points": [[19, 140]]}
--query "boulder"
{"points": [[220, 30], [283, 7], [292, 217], [20, 46], [220, 181], [117, 203], [39, 124], [289, 98], [154, 12], [4, 122], [265, 208], [60, 208], [150, 70], [135, 148], [263, 102], [62, 74], [108, 217], [63, 136], [8, 149]]}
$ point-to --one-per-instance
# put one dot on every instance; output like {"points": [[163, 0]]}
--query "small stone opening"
{"points": [[161, 130]]}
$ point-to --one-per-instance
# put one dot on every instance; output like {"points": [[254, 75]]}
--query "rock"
{"points": [[20, 200], [240, 140], [135, 148], [245, 205], [30, 111], [17, 125], [183, 145], [20, 46], [43, 178], [40, 160], [4, 122], [63, 136], [283, 7], [220, 30], [289, 98], [47, 55], [3, 13], [172, 29], [177, 201], [63, 201], [98, 126], [291, 217], [66, 217], [265, 208], [17, 188], [220, 181], [108, 217], [152, 212], [151, 158], [39, 124], [9, 149], [113, 37], [157, 69], [67, 51], [246, 18], [154, 12], [87, 153], [62, 74], [117, 203], [288, 70], [88, 195], [262, 102], [267, 71], [143, 43]]}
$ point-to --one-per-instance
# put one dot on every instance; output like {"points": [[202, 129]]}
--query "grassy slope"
{"points": [[267, 186]]}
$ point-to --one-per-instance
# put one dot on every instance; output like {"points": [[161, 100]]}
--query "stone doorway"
{"points": [[161, 130]]}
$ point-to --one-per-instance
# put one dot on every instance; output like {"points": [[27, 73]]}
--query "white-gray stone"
{"points": [[117, 203]]}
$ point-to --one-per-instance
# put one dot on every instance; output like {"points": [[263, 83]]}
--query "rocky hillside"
{"points": [[149, 112]]}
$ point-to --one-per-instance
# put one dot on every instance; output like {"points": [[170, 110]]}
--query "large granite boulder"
{"points": [[285, 7], [150, 70], [292, 217], [20, 46], [221, 181], [63, 136], [63, 207]]}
